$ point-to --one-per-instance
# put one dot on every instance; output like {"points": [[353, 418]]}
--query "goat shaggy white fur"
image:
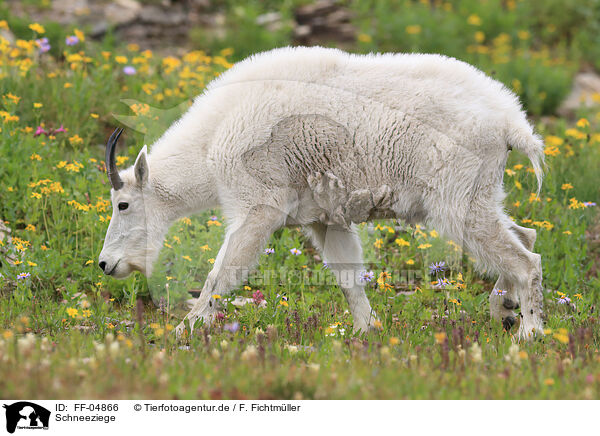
{"points": [[324, 139]]}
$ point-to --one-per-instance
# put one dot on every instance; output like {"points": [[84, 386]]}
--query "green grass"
{"points": [[88, 336]]}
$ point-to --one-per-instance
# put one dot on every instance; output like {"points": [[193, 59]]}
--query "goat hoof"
{"points": [[508, 322], [510, 304]]}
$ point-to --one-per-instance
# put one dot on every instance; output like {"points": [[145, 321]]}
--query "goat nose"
{"points": [[102, 265]]}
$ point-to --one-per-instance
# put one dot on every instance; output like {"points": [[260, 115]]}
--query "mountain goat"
{"points": [[323, 139]]}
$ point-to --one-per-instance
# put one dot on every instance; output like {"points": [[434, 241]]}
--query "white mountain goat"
{"points": [[323, 139]]}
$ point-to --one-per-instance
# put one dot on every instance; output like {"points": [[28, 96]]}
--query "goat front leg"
{"points": [[243, 240]]}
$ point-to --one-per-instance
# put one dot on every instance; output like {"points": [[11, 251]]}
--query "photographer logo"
{"points": [[26, 415]]}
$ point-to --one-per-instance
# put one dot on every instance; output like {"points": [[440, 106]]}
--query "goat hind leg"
{"points": [[343, 253]]}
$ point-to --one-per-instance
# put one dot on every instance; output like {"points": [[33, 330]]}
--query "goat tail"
{"points": [[532, 145]]}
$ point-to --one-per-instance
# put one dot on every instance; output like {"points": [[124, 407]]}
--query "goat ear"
{"points": [[141, 167]]}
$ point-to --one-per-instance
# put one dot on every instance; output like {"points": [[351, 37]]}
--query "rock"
{"points": [[323, 21], [302, 31], [5, 240], [272, 21], [122, 12], [155, 15], [585, 92], [268, 18], [8, 35], [242, 301], [315, 10]]}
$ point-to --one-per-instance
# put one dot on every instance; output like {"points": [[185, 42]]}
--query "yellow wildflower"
{"points": [[79, 34], [574, 133], [582, 123], [562, 336], [37, 28], [554, 140], [440, 337], [414, 29], [474, 20], [552, 150], [363, 37]]}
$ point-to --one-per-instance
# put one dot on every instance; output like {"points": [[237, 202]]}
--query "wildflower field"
{"points": [[67, 331]]}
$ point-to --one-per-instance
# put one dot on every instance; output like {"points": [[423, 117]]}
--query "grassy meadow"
{"points": [[67, 331]]}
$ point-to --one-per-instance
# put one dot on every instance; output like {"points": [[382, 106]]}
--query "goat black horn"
{"points": [[111, 166]]}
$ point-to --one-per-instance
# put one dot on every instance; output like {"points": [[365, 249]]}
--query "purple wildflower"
{"points": [[72, 40], [442, 283], [589, 378], [366, 276], [325, 265], [130, 71], [61, 129], [232, 327], [40, 131], [269, 250], [437, 267], [499, 292], [214, 218], [589, 204], [258, 297], [23, 275], [563, 299], [43, 44], [295, 252]]}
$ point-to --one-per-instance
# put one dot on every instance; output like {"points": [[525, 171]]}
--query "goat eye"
{"points": [[123, 206]]}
